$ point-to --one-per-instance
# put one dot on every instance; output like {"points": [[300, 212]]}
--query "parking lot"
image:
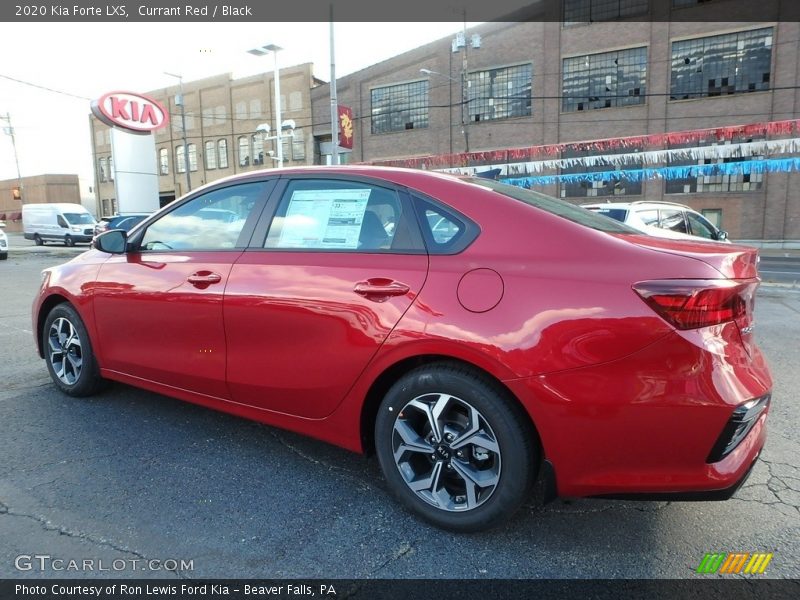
{"points": [[133, 475]]}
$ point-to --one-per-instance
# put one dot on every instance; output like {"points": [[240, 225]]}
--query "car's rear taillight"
{"points": [[693, 303]]}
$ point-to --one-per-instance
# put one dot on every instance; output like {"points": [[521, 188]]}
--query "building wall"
{"points": [[211, 115], [38, 189], [772, 212]]}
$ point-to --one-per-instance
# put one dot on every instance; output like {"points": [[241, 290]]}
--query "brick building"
{"points": [[37, 189], [222, 115], [531, 83]]}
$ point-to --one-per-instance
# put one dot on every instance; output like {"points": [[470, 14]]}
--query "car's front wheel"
{"points": [[455, 448], [68, 352], [68, 241], [37, 239]]}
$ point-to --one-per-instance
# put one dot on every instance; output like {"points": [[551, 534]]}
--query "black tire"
{"points": [[68, 353], [68, 241], [37, 239], [507, 465], [4, 256]]}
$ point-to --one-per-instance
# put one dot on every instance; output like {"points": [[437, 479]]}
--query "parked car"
{"points": [[65, 222], [493, 336], [3, 242], [125, 222], [662, 219]]}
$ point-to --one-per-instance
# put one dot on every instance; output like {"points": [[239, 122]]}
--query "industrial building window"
{"points": [[720, 65], [400, 107], [111, 168], [295, 100], [180, 160], [500, 93], [586, 11], [163, 161], [244, 151], [611, 185], [605, 80], [258, 149], [222, 154], [255, 108], [102, 173], [241, 110], [211, 155], [714, 183], [192, 157], [298, 145]]}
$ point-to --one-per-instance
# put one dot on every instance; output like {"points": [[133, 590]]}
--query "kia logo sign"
{"points": [[130, 111]]}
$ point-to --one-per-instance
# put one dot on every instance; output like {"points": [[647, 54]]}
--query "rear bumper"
{"points": [[702, 496], [645, 425]]}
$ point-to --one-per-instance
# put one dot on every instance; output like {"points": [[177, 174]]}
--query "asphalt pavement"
{"points": [[133, 476]]}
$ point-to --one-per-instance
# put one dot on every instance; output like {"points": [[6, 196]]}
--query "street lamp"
{"points": [[288, 126], [179, 101], [261, 51]]}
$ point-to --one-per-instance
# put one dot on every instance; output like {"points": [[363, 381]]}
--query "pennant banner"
{"points": [[551, 152], [775, 165]]}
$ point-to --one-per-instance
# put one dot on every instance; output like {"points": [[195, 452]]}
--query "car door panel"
{"points": [[299, 332], [155, 323], [302, 323], [158, 307]]}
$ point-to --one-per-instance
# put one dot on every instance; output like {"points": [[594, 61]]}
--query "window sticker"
{"points": [[324, 219]]}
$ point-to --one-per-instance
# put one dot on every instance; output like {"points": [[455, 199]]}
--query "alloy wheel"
{"points": [[64, 351], [446, 452]]}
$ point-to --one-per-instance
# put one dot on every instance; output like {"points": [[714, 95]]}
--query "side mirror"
{"points": [[113, 242], [722, 235]]}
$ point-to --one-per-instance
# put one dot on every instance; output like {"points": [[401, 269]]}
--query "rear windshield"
{"points": [[618, 214], [576, 214]]}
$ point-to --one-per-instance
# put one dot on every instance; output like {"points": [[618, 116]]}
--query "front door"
{"points": [[158, 309]]}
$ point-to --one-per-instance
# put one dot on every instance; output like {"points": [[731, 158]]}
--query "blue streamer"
{"points": [[746, 167]]}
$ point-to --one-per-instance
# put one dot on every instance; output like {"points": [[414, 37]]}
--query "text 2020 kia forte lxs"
{"points": [[474, 335]]}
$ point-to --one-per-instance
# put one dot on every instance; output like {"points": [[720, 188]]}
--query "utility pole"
{"points": [[179, 101], [9, 130], [334, 104], [465, 90]]}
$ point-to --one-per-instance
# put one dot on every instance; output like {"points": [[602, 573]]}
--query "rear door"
{"points": [[329, 276]]}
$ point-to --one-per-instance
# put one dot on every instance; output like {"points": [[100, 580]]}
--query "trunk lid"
{"points": [[731, 260]]}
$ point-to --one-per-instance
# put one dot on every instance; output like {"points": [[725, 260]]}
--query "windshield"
{"points": [[79, 218], [576, 214]]}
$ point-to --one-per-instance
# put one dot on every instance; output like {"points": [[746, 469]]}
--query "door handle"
{"points": [[204, 278], [380, 289]]}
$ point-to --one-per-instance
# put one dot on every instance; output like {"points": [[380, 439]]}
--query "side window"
{"points": [[700, 227], [444, 230], [213, 221], [648, 217], [322, 214], [62, 222], [672, 219]]}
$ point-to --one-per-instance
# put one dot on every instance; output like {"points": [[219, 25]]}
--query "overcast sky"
{"points": [[89, 59]]}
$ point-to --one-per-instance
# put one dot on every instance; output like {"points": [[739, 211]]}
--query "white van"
{"points": [[63, 222]]}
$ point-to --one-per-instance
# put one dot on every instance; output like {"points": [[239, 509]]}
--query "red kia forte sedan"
{"points": [[474, 335]]}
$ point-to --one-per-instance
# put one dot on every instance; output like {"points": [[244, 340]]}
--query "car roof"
{"points": [[637, 204]]}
